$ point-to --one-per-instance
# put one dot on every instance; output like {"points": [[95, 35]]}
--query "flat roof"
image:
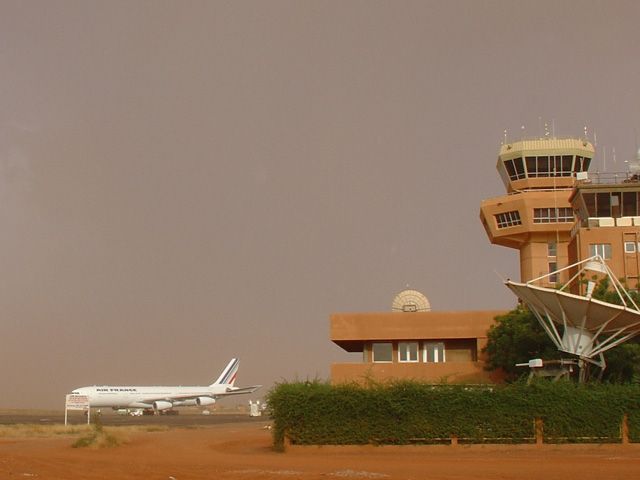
{"points": [[350, 330], [546, 145]]}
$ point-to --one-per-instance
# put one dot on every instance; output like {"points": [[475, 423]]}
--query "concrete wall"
{"points": [[452, 372], [346, 327], [464, 334]]}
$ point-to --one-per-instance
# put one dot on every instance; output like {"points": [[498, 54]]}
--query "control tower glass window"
{"points": [[564, 166], [549, 166], [581, 164], [515, 168]]}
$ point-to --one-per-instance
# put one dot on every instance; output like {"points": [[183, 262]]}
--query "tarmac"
{"points": [[188, 419]]}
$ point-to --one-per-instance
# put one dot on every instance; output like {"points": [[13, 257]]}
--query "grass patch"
{"points": [[97, 437], [26, 430], [100, 437]]}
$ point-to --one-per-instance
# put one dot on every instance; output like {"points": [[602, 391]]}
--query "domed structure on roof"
{"points": [[410, 301]]}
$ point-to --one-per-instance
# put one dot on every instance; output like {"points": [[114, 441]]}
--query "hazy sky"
{"points": [[182, 182]]}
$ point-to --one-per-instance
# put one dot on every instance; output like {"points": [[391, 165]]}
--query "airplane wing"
{"points": [[238, 390], [171, 398], [207, 394]]}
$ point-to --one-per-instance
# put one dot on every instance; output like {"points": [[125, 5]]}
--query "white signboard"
{"points": [[77, 402]]}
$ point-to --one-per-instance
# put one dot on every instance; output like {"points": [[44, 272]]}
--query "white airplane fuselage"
{"points": [[163, 397], [150, 397]]}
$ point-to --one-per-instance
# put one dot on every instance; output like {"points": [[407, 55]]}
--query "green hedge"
{"points": [[411, 412]]}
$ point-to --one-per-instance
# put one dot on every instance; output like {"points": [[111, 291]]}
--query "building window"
{"points": [[603, 204], [553, 266], [552, 249], [552, 215], [549, 166], [630, 203], [433, 352], [515, 168], [601, 249], [408, 351], [600, 204], [581, 164], [629, 247], [382, 352], [508, 219]]}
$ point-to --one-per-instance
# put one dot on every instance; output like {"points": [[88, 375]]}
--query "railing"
{"points": [[558, 189], [601, 178], [608, 222]]}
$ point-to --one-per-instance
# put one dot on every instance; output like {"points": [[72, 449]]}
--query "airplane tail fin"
{"points": [[228, 375]]}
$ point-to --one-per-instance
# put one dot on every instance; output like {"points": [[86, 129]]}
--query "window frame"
{"points": [[404, 349], [425, 352], [373, 352], [553, 266], [601, 249], [553, 215], [508, 219]]}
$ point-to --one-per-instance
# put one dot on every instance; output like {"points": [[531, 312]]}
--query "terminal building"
{"points": [[607, 208], [413, 342], [555, 212]]}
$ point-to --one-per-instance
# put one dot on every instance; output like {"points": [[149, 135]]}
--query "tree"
{"points": [[517, 337], [605, 292], [623, 361]]}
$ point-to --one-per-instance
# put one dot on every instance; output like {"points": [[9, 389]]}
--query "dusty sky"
{"points": [[183, 182]]}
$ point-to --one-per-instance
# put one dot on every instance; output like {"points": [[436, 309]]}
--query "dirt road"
{"points": [[243, 451]]}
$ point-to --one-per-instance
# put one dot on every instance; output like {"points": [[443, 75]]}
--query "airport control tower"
{"points": [[535, 216]]}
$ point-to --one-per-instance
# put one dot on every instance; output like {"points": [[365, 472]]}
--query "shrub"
{"points": [[412, 412]]}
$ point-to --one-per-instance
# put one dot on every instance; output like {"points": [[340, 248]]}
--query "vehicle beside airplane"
{"points": [[162, 398]]}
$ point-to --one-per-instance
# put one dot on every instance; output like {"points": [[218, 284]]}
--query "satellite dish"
{"points": [[579, 324], [410, 301]]}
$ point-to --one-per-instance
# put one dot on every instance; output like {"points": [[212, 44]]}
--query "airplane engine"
{"points": [[185, 403], [202, 401], [162, 405]]}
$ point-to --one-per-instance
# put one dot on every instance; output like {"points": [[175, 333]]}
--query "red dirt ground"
{"points": [[243, 451]]}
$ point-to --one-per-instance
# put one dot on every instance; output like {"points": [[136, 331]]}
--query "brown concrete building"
{"points": [[430, 346], [556, 213], [607, 210], [535, 215]]}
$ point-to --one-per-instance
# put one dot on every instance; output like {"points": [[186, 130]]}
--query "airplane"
{"points": [[159, 399]]}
